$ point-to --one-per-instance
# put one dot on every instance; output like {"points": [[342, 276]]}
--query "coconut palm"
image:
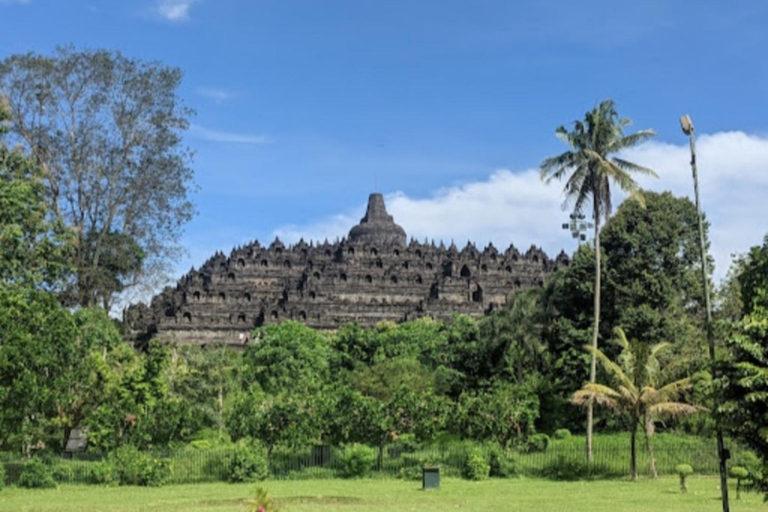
{"points": [[591, 169], [636, 391]]}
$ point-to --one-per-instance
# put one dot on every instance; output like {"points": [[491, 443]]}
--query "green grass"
{"points": [[389, 495]]}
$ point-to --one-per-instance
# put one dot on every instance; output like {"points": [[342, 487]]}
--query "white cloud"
{"points": [[217, 94], [174, 10], [516, 207], [221, 136]]}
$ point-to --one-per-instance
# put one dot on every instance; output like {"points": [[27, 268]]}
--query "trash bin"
{"points": [[430, 478]]}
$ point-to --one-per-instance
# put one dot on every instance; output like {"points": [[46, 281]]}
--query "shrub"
{"points": [[568, 469], [36, 475], [562, 433], [248, 463], [62, 473], [476, 466], [133, 467], [356, 460], [502, 462], [537, 443], [739, 473], [102, 473], [683, 470], [2, 475]]}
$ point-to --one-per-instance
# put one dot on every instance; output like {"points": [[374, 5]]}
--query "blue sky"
{"points": [[305, 107]]}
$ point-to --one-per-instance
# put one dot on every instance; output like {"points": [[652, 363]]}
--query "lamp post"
{"points": [[687, 125]]}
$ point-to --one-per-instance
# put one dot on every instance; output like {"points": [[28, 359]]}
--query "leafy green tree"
{"points": [[287, 356], [37, 353], [637, 391], [285, 418], [139, 407], [505, 413], [591, 170], [752, 278], [106, 132], [33, 250], [653, 275], [566, 300], [516, 331], [204, 377], [744, 383]]}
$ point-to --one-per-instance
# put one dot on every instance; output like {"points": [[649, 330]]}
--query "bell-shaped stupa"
{"points": [[377, 227]]}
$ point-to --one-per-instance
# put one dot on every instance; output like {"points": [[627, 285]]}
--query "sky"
{"points": [[447, 107]]}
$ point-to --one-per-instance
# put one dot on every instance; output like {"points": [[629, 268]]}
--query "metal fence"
{"points": [[561, 460]]}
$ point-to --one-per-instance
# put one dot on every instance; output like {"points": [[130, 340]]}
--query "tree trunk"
{"points": [[649, 444], [633, 452], [595, 327]]}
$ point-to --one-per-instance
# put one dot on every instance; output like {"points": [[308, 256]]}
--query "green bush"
{"points": [[134, 467], [537, 443], [683, 470], [102, 473], [2, 476], [502, 462], [356, 460], [568, 469], [476, 466], [248, 463], [62, 473], [36, 475], [562, 433]]}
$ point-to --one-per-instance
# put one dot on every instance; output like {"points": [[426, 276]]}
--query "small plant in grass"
{"points": [[476, 466], [261, 502], [562, 433], [356, 460], [739, 473], [684, 471], [36, 475]]}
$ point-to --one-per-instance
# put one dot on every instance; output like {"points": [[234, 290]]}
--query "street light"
{"points": [[687, 125], [578, 226]]}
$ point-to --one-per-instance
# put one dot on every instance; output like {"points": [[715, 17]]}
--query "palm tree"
{"points": [[591, 169], [635, 392]]}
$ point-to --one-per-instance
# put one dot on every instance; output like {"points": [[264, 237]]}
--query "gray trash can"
{"points": [[430, 477]]}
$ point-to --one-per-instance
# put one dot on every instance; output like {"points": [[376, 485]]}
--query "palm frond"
{"points": [[674, 409], [629, 141], [613, 369], [632, 167]]}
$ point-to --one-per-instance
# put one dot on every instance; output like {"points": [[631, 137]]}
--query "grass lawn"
{"points": [[388, 495]]}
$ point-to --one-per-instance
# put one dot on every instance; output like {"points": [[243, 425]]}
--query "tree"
{"points": [[287, 356], [637, 391], [105, 131], [592, 169], [33, 250], [37, 353], [653, 271], [743, 408]]}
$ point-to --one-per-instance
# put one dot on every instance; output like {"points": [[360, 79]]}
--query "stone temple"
{"points": [[374, 274]]}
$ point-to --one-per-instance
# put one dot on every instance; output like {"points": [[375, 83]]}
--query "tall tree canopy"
{"points": [[33, 250], [106, 132], [591, 169]]}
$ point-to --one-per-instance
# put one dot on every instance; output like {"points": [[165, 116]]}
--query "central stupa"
{"points": [[377, 226]]}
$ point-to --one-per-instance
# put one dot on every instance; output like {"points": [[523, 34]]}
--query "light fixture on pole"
{"points": [[687, 125], [578, 226]]}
